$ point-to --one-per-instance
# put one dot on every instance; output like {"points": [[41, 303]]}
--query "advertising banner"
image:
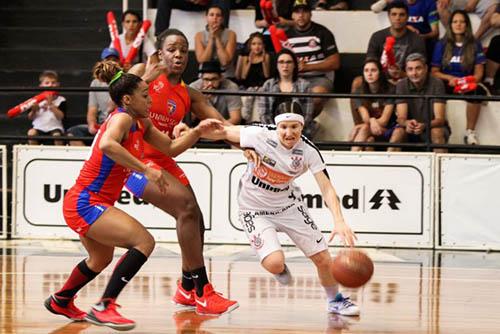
{"points": [[470, 201], [386, 198]]}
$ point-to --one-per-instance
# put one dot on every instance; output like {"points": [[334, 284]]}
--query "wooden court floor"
{"points": [[411, 291]]}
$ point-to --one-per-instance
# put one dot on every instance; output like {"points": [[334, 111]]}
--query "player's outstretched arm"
{"points": [[332, 201], [175, 147]]}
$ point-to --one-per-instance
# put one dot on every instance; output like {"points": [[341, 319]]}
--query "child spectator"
{"points": [[377, 114], [457, 56], [47, 115], [216, 42]]}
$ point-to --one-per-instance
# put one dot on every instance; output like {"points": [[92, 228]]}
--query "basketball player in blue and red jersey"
{"points": [[88, 206], [171, 100]]}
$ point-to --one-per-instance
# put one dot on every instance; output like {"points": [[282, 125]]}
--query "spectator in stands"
{"points": [[216, 42], [286, 80], [406, 42], [252, 70], [379, 118], [284, 15], [413, 114], [47, 115], [331, 5], [229, 106], [458, 56], [493, 54], [423, 19], [131, 24], [254, 65], [99, 106], [483, 8], [316, 51], [164, 10]]}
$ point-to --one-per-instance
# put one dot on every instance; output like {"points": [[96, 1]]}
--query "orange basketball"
{"points": [[352, 268]]}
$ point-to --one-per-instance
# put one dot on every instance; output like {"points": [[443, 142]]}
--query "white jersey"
{"points": [[45, 120], [269, 187]]}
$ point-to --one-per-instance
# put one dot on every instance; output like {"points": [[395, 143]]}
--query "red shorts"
{"points": [[172, 168], [81, 208]]}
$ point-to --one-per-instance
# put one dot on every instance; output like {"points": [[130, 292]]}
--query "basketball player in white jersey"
{"points": [[270, 202]]}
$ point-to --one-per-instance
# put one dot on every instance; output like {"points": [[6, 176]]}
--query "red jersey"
{"points": [[169, 104], [100, 174]]}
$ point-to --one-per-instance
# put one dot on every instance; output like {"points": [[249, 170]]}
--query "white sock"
{"points": [[331, 291], [490, 81]]}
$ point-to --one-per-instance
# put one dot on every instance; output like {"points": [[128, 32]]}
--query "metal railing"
{"points": [[427, 145]]}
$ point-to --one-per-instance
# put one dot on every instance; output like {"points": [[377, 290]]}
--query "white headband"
{"points": [[289, 117]]}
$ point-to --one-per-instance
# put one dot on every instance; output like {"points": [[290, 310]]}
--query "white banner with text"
{"points": [[386, 198]]}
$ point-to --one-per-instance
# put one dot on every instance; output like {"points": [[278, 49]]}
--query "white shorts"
{"points": [[295, 221]]}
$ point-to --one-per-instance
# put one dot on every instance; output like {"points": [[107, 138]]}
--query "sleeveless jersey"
{"points": [[270, 186], [169, 104], [102, 176]]}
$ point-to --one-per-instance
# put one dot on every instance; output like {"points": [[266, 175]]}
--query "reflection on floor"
{"points": [[412, 291]]}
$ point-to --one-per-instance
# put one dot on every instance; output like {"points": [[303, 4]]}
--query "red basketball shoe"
{"points": [[184, 298], [103, 315], [212, 302], [69, 311]]}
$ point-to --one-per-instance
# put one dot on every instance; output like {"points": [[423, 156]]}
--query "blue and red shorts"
{"points": [[136, 182], [81, 208]]}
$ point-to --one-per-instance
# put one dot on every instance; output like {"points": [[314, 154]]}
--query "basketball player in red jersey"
{"points": [[171, 100], [88, 206]]}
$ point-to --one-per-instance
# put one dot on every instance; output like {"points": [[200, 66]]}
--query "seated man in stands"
{"points": [[392, 58], [413, 114], [47, 115], [99, 106], [131, 24], [229, 106], [316, 49]]}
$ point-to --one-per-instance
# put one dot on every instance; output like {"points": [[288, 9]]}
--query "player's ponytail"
{"points": [[120, 83]]}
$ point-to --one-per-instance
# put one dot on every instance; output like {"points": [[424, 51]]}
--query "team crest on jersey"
{"points": [[158, 86], [296, 162], [171, 107], [269, 161], [256, 241]]}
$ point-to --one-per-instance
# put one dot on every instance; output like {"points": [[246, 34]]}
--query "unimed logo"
{"points": [[352, 201], [54, 193]]}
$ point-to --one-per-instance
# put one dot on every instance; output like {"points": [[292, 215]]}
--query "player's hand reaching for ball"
{"points": [[344, 232], [157, 176]]}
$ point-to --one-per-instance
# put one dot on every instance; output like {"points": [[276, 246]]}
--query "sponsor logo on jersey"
{"points": [[158, 86], [258, 182], [269, 161], [270, 175], [297, 151], [271, 143]]}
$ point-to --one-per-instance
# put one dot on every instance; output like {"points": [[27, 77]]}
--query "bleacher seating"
{"points": [[67, 36]]}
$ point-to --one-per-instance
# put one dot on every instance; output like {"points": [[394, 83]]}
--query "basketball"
{"points": [[352, 268]]}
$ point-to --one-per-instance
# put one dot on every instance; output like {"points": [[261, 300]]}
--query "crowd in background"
{"points": [[405, 58]]}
